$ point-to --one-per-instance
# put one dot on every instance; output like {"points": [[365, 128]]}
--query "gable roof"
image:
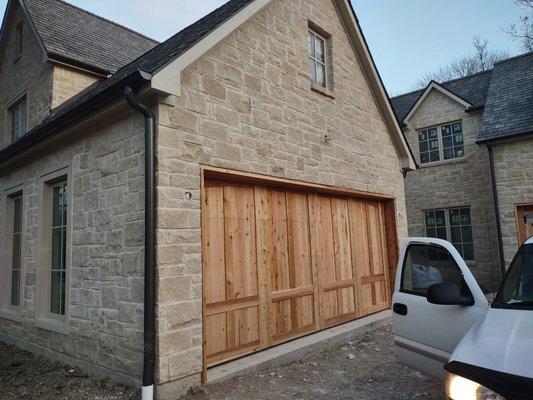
{"points": [[143, 70], [435, 86], [473, 89], [77, 37], [509, 107]]}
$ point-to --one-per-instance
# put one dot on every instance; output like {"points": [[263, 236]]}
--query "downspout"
{"points": [[149, 244], [496, 208]]}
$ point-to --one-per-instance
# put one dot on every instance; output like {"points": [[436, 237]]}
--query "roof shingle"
{"points": [[72, 34], [472, 88], [509, 107]]}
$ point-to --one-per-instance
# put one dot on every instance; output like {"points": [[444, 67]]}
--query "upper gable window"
{"points": [[317, 59], [20, 42], [444, 142], [18, 119]]}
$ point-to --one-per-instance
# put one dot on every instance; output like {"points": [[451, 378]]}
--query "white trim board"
{"points": [[434, 85], [168, 78]]}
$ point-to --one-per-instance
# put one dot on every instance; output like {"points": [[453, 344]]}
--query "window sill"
{"points": [[447, 162], [11, 315], [322, 90], [53, 325]]}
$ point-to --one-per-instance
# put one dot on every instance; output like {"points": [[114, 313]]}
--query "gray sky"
{"points": [[406, 37]]}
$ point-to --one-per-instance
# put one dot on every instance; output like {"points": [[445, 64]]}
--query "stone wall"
{"points": [[67, 82], [104, 326], [513, 163], [248, 105], [454, 183], [23, 74]]}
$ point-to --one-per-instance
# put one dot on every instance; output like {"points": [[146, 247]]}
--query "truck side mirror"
{"points": [[448, 294]]}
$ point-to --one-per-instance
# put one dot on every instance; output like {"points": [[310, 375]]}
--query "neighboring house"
{"points": [[453, 128], [273, 206]]}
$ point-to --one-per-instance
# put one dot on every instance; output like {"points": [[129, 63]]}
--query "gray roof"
{"points": [[76, 36], [473, 89], [131, 74], [509, 107]]}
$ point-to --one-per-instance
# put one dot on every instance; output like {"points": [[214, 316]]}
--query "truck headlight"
{"points": [[459, 388]]}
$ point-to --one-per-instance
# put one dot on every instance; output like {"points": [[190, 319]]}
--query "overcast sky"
{"points": [[406, 37]]}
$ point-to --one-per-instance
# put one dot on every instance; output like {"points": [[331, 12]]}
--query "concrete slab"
{"points": [[297, 348]]}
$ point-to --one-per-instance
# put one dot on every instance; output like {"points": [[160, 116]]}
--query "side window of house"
{"points": [[58, 248], [428, 265], [16, 248], [444, 142], [20, 37], [18, 119], [454, 225], [317, 59]]}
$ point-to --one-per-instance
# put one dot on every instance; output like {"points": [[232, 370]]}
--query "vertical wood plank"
{"points": [[327, 249], [299, 257], [263, 238], [316, 259], [214, 267], [360, 252], [343, 256]]}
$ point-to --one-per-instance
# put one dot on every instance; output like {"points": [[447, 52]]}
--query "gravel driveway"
{"points": [[362, 368]]}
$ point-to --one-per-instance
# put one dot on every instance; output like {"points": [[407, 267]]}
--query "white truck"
{"points": [[444, 325]]}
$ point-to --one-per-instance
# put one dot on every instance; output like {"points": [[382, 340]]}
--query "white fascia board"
{"points": [[168, 79], [443, 90], [372, 76]]}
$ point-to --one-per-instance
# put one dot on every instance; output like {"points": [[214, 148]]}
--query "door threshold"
{"points": [[297, 348]]}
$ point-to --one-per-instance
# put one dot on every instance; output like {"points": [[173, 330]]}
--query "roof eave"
{"points": [[362, 50], [504, 138], [55, 123]]}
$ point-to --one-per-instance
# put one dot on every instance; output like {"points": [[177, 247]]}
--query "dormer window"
{"points": [[444, 142], [18, 119]]}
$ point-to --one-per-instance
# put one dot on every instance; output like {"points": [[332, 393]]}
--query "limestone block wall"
{"points": [[67, 82], [23, 74], [454, 183], [248, 105], [513, 164], [104, 328]]}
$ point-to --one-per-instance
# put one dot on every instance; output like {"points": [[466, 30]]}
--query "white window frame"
{"points": [[46, 319], [441, 143], [448, 227], [316, 61]]}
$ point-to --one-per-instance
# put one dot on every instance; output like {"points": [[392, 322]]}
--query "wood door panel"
{"points": [[279, 264]]}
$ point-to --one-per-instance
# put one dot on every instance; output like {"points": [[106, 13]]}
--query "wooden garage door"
{"points": [[278, 264]]}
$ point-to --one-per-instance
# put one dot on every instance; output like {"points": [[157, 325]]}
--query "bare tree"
{"points": [[523, 31], [480, 60]]}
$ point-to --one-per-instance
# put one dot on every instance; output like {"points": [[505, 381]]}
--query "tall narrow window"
{"points": [[20, 37], [317, 59], [17, 251], [59, 249], [18, 119]]}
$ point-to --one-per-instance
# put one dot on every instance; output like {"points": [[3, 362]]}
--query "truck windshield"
{"points": [[517, 288]]}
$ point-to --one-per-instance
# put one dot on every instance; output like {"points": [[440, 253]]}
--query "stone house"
{"points": [[472, 139], [168, 207]]}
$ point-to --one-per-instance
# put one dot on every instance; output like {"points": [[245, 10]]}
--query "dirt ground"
{"points": [[25, 376], [362, 368]]}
